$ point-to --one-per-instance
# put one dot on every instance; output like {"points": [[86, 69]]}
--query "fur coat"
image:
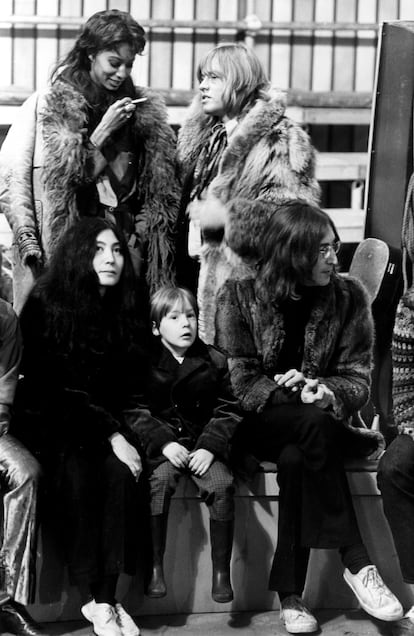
{"points": [[46, 160], [269, 159], [337, 347]]}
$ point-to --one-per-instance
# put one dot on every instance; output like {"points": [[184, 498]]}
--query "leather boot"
{"points": [[15, 619], [221, 537], [157, 588]]}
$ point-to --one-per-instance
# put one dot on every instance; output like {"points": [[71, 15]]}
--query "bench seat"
{"points": [[188, 565]]}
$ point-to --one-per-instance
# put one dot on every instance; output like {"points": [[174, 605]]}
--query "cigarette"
{"points": [[137, 101]]}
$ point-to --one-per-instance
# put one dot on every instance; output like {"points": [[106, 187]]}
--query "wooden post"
{"points": [[253, 24]]}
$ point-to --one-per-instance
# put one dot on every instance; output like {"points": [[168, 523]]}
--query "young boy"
{"points": [[194, 418]]}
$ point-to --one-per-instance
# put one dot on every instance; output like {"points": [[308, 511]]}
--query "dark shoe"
{"points": [[221, 536], [156, 587], [16, 620]]}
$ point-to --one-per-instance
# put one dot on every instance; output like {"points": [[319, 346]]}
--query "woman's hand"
{"points": [[116, 116], [126, 453], [200, 461], [177, 454], [317, 393], [292, 379]]}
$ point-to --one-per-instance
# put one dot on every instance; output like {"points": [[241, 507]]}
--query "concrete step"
{"points": [[332, 623]]}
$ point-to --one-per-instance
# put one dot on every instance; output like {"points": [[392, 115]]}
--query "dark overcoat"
{"points": [[192, 403]]}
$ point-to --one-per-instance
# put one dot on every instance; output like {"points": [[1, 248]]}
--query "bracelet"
{"points": [[94, 144]]}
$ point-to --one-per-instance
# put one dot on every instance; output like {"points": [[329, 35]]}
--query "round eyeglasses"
{"points": [[329, 248]]}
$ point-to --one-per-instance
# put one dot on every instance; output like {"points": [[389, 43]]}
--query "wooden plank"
{"points": [[262, 40], [366, 46], [23, 71], [301, 56], [322, 66], [182, 62], [341, 166], [140, 9], [344, 45], [331, 116], [280, 48], [406, 10], [46, 43], [349, 223], [160, 47]]}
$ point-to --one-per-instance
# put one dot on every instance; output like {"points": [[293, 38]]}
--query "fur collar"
{"points": [[67, 167], [254, 124]]}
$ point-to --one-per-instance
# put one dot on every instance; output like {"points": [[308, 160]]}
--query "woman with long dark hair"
{"points": [[92, 144], [299, 339], [83, 367]]}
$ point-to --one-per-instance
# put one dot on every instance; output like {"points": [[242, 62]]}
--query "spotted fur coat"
{"points": [[269, 159]]}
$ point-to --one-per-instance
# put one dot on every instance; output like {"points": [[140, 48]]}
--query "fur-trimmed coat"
{"points": [[47, 158], [338, 346], [269, 159]]}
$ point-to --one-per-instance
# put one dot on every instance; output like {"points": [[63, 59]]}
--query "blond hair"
{"points": [[245, 76]]}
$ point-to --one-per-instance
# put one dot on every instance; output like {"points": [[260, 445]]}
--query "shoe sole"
{"points": [[372, 612], [301, 630]]}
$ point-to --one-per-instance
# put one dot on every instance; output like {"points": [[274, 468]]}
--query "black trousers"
{"points": [[396, 482], [315, 506], [99, 503]]}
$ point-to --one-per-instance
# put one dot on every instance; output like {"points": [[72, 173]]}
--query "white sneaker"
{"points": [[103, 618], [373, 595], [410, 614], [296, 616], [126, 622]]}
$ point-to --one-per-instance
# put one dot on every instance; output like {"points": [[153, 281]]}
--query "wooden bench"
{"points": [[188, 565]]}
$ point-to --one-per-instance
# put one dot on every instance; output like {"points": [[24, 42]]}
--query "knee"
{"points": [[164, 478], [291, 458], [224, 489], [25, 474], [397, 460], [320, 431]]}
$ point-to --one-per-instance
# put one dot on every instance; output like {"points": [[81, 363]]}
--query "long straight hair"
{"points": [[290, 249], [243, 72]]}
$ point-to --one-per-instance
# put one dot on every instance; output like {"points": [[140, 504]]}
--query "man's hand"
{"points": [[292, 379], [317, 393]]}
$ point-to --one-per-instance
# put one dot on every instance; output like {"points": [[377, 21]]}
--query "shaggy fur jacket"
{"points": [[269, 159], [46, 160], [337, 347]]}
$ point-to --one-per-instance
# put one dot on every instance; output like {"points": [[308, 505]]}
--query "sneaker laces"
{"points": [[373, 580]]}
